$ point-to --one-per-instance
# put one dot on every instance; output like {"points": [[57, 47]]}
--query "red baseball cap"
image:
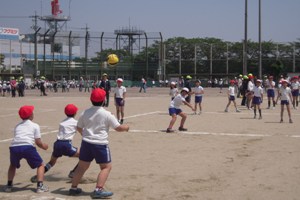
{"points": [[70, 109], [26, 111], [98, 95]]}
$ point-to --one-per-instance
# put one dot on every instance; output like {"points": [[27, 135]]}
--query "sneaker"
{"points": [[121, 121], [42, 189], [8, 188], [268, 107], [170, 130], [182, 129], [273, 108], [291, 121], [238, 110], [71, 174], [34, 179], [226, 110], [74, 191], [99, 194], [200, 113]]}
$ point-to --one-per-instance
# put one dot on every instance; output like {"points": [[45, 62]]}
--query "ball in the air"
{"points": [[112, 59]]}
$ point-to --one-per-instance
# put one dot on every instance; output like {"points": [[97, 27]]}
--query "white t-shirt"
{"points": [[258, 91], [67, 129], [25, 133], [231, 91], [270, 84], [95, 123], [198, 90], [295, 85], [119, 91], [177, 101], [173, 92], [250, 86], [285, 93]]}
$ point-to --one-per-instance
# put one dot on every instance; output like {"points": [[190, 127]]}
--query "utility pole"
{"points": [[259, 39], [245, 39]]}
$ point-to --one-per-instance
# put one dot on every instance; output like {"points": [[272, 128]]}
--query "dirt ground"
{"points": [[228, 156]]}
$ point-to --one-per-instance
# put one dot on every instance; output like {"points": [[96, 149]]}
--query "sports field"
{"points": [[228, 156]]}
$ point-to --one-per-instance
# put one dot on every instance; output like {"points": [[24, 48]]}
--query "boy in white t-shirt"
{"points": [[93, 124], [120, 93], [286, 96], [26, 134], [175, 110], [198, 91], [231, 96], [63, 145]]}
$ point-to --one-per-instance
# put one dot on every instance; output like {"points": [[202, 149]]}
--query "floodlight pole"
{"points": [[259, 39], [245, 39]]}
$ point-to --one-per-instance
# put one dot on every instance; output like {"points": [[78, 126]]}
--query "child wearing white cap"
{"points": [[173, 90], [120, 93], [175, 110]]}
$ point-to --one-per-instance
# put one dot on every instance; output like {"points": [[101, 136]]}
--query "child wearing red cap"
{"points": [[231, 96], [26, 134], [63, 145], [120, 93], [257, 97], [286, 96], [93, 124]]}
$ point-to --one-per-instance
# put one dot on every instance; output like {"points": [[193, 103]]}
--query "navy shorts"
{"points": [[295, 93], [285, 102], [119, 102], [198, 99], [231, 98], [173, 111], [270, 93], [89, 152], [63, 148], [28, 152], [256, 100]]}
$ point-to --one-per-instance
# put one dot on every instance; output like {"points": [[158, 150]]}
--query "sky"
{"points": [[223, 19]]}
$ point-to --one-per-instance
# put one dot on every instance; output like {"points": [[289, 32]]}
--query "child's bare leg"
{"points": [[103, 175], [122, 111], [40, 173], [172, 122], [288, 110], [281, 112], [183, 118], [80, 170], [11, 173]]}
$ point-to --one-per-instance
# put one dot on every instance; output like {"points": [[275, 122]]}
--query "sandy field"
{"points": [[226, 156]]}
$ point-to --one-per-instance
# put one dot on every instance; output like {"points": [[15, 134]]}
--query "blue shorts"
{"points": [[256, 100], [173, 111], [198, 99], [295, 93], [231, 98], [285, 102], [28, 152], [119, 102], [89, 152], [63, 148], [270, 93]]}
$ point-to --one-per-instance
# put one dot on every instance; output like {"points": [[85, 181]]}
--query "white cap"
{"points": [[258, 80], [173, 83], [120, 80], [185, 89]]}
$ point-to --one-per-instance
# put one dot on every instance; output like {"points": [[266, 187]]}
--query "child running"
{"points": [[198, 91], [173, 90], [286, 96], [26, 134], [257, 98], [231, 96], [63, 145], [93, 124], [120, 92], [175, 110]]}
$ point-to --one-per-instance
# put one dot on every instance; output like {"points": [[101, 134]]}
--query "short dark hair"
{"points": [[97, 103], [71, 115]]}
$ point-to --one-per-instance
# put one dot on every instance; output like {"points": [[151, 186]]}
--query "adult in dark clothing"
{"points": [[244, 90], [21, 88], [187, 84], [105, 85]]}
